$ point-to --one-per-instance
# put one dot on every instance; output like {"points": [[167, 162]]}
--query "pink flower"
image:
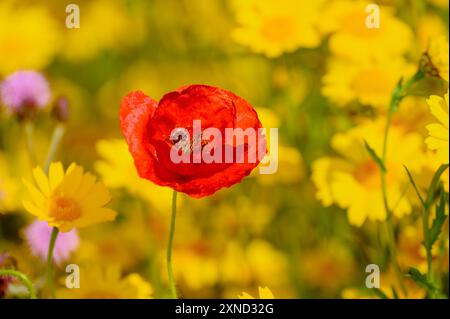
{"points": [[38, 238], [24, 91]]}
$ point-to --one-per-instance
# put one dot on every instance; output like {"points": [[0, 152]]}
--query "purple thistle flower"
{"points": [[38, 238], [24, 91]]}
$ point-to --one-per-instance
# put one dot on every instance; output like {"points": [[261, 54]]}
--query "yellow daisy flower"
{"points": [[352, 180], [352, 38], [68, 199], [275, 27], [264, 293], [438, 132], [118, 171], [29, 37], [368, 82], [438, 53], [107, 283]]}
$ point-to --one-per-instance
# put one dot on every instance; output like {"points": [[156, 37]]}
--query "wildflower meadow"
{"points": [[224, 149]]}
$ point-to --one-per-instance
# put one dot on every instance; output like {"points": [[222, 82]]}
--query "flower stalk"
{"points": [[400, 92], [173, 289], [50, 274]]}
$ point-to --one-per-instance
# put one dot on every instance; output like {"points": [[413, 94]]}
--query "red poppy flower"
{"points": [[150, 129]]}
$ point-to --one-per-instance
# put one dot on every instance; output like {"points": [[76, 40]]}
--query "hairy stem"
{"points": [[173, 289], [50, 275]]}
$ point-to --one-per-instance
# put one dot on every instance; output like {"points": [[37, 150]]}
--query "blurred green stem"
{"points": [[58, 133], [29, 132], [22, 277], [389, 217], [425, 229], [173, 289], [50, 275], [426, 220], [397, 96]]}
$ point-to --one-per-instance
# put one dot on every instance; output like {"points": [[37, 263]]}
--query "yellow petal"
{"points": [[437, 107], [265, 293], [72, 181], [42, 181], [95, 217], [97, 197], [87, 183], [56, 174], [71, 168], [35, 195], [32, 209], [438, 131], [245, 295]]}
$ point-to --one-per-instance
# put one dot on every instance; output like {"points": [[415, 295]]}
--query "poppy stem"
{"points": [[50, 275], [22, 277], [173, 289]]}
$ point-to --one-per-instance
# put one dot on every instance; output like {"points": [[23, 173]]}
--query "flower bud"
{"points": [[61, 109]]}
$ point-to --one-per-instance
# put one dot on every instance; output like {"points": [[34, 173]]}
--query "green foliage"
{"points": [[374, 156]]}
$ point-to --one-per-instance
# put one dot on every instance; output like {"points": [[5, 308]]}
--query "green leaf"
{"points": [[397, 96], [411, 179], [434, 183], [421, 279], [438, 222], [374, 156]]}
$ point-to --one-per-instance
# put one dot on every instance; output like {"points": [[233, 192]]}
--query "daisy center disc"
{"points": [[63, 208]]}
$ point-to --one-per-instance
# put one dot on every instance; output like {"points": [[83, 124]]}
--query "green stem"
{"points": [[426, 220], [389, 217], [58, 133], [50, 275], [29, 132], [425, 229], [399, 93], [173, 289], [22, 277]]}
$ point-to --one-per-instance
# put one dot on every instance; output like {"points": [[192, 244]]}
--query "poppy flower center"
{"points": [[180, 138], [64, 208]]}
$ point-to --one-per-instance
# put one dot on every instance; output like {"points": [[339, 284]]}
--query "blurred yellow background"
{"points": [[310, 68]]}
